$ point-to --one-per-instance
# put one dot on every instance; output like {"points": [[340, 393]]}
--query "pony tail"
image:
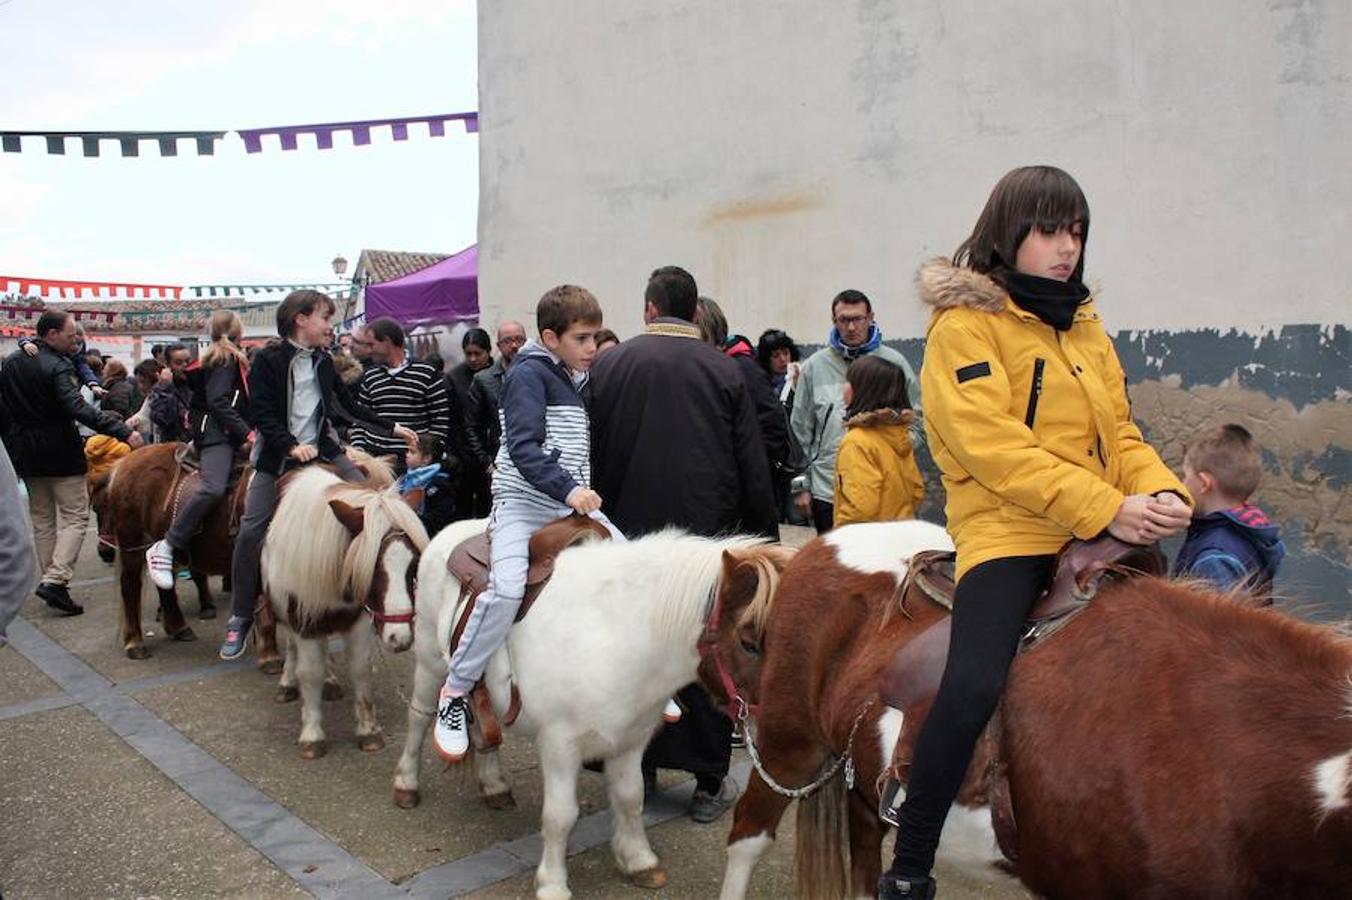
{"points": [[820, 849]]}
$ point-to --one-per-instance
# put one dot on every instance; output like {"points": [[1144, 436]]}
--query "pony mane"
{"points": [[767, 560], [312, 556], [379, 472], [384, 512], [689, 569]]}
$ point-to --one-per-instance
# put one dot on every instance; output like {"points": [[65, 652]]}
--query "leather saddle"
{"points": [[469, 563], [911, 680], [188, 471]]}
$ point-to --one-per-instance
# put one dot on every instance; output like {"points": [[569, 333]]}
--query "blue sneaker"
{"points": [[236, 637]]}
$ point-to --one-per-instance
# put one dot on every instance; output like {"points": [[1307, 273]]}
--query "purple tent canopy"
{"points": [[441, 294]]}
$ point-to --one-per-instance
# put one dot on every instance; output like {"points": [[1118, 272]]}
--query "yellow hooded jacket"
{"points": [[1030, 427], [102, 453], [877, 479]]}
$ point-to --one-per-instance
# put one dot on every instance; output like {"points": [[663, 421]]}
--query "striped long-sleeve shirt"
{"points": [[414, 396]]}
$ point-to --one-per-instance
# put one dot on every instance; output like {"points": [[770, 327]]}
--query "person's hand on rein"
{"points": [[584, 501], [1165, 514]]}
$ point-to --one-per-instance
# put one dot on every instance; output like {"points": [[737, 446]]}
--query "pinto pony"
{"points": [[1166, 743], [134, 503], [339, 559], [611, 637]]}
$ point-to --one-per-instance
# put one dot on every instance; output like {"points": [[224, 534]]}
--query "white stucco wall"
{"points": [[785, 150]]}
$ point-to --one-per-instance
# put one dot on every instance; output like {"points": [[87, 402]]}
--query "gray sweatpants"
{"points": [[511, 527], [214, 464], [259, 505]]}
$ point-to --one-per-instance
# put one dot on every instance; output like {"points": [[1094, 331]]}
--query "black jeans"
{"points": [[823, 515], [989, 609]]}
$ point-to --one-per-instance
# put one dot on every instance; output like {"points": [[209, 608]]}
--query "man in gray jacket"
{"points": [[18, 564], [818, 419]]}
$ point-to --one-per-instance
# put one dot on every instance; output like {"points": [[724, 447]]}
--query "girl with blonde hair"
{"points": [[219, 380]]}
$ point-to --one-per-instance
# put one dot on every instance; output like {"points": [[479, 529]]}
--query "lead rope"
{"points": [[845, 760]]}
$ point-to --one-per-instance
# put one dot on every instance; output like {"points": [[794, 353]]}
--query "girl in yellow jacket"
{"points": [[877, 479], [1028, 420]]}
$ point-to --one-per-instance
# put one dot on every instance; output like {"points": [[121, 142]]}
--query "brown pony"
{"points": [[135, 503], [1168, 742]]}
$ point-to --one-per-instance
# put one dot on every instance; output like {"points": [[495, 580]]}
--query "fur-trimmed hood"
{"points": [[943, 285], [880, 417], [348, 368]]}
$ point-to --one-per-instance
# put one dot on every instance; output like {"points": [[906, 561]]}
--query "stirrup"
{"points": [[890, 799]]}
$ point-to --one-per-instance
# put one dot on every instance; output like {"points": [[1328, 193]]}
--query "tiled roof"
{"points": [[387, 265]]}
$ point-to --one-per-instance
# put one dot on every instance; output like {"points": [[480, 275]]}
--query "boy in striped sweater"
{"points": [[543, 473]]}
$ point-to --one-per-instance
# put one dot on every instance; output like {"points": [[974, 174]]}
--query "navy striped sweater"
{"points": [[546, 440]]}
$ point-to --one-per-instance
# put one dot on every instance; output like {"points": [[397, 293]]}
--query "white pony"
{"points": [[337, 556], [611, 638]]}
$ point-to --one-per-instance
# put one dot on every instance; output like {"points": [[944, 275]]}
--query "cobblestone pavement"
{"points": [[178, 776]]}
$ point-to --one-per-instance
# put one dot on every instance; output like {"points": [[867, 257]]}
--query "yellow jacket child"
{"points": [[876, 475], [877, 479], [1058, 462]]}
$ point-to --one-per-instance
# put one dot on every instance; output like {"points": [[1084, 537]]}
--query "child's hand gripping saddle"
{"points": [[911, 680], [469, 564]]}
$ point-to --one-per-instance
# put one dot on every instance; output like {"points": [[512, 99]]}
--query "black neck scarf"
{"points": [[1052, 301]]}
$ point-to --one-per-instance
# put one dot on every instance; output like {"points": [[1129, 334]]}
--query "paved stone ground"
{"points": [[178, 776]]}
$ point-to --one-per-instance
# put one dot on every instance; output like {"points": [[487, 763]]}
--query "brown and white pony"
{"points": [[134, 504], [339, 560], [1168, 742]]}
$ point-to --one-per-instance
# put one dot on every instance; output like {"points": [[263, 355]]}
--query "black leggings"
{"points": [[991, 605]]}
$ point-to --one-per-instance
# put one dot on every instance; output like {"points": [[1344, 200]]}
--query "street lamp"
{"points": [[339, 265]]}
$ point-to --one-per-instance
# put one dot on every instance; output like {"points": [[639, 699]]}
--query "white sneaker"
{"points": [[451, 734], [160, 559], [672, 713]]}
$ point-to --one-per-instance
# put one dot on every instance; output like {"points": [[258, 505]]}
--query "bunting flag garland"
{"points": [[361, 130], [59, 286], [225, 290], [130, 141]]}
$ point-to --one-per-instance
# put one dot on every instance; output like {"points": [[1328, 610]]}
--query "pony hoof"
{"points": [[370, 743], [140, 651], [406, 799], [186, 634], [206, 612], [270, 666], [312, 749], [505, 800], [652, 879], [287, 694], [333, 691]]}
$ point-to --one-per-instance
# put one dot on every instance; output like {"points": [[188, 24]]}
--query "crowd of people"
{"points": [[686, 424]]}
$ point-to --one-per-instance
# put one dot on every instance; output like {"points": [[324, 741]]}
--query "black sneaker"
{"points": [[897, 887], [57, 596], [236, 637], [705, 807]]}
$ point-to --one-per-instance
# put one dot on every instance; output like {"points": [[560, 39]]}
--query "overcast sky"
{"points": [[274, 216]]}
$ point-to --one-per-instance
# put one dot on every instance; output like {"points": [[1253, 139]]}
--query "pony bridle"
{"points": [[736, 707], [378, 616]]}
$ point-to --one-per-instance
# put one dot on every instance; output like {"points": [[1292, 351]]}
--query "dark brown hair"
{"points": [[877, 384], [564, 306], [51, 320], [1042, 197], [672, 292], [605, 335], [1229, 454], [300, 303]]}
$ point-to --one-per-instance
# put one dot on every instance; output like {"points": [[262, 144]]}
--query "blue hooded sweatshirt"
{"points": [[1232, 547]]}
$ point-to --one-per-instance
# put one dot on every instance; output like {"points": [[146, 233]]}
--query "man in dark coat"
{"points": [[483, 428], [41, 398], [675, 442]]}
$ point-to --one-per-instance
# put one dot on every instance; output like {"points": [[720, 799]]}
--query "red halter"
{"points": [[736, 707]]}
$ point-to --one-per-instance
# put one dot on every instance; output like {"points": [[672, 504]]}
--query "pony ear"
{"points": [[739, 583], [352, 517]]}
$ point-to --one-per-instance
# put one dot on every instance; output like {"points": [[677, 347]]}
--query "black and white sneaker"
{"points": [[896, 887], [451, 734]]}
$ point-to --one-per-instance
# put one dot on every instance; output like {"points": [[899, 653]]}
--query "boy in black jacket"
{"points": [[293, 392]]}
